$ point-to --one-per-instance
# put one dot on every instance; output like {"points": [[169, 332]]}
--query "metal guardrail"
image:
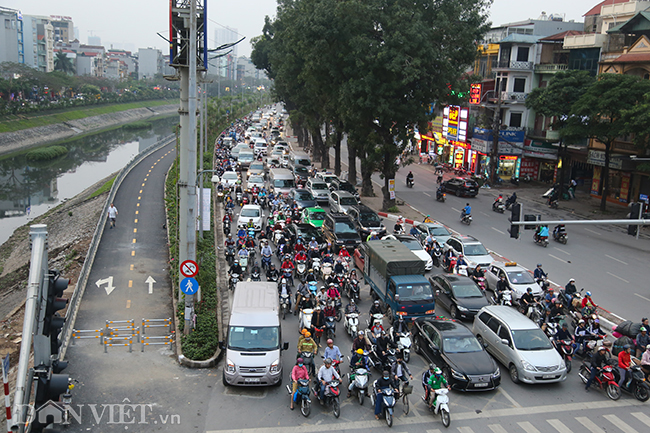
{"points": [[84, 274]]}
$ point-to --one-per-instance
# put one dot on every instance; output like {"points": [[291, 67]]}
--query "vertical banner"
{"points": [[204, 197], [391, 188]]}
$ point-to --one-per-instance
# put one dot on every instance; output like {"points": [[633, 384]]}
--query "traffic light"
{"points": [[53, 322], [635, 214], [515, 216], [49, 387]]}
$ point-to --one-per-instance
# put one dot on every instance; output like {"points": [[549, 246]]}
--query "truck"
{"points": [[396, 279], [253, 347]]}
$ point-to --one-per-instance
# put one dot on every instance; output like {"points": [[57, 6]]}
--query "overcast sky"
{"points": [[133, 24]]}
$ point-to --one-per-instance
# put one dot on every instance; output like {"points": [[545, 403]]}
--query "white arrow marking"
{"points": [[150, 281], [109, 288]]}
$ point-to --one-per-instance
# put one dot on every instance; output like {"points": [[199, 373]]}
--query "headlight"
{"points": [[497, 373], [275, 367], [230, 366], [528, 366], [338, 241], [462, 308], [429, 262], [458, 375]]}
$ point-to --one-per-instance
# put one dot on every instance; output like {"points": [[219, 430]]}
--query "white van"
{"points": [[281, 180], [253, 346]]}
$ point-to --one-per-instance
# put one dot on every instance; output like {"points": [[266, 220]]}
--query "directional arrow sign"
{"points": [[189, 286], [150, 281], [109, 287]]}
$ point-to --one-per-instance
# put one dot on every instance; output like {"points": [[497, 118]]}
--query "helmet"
{"points": [[400, 318], [627, 346], [351, 301], [572, 280], [529, 290], [360, 332], [432, 367], [307, 334], [229, 235], [329, 341], [304, 331], [360, 351], [597, 321], [647, 347], [437, 371], [642, 329], [376, 302], [601, 348], [588, 293], [328, 361], [373, 233], [313, 238], [580, 322], [565, 325], [300, 360], [539, 265]]}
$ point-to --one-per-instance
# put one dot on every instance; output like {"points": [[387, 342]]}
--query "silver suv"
{"points": [[341, 201], [471, 248], [519, 344], [319, 190]]}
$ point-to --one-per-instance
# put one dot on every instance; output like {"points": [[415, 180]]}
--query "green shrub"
{"points": [[137, 125], [46, 153]]}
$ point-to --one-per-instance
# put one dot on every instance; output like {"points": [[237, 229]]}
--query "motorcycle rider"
{"points": [[400, 371], [467, 211], [317, 319], [460, 262], [580, 334], [624, 365], [321, 296], [564, 334], [298, 372], [332, 351], [440, 191], [300, 255], [300, 247], [642, 340], [313, 248], [333, 292], [527, 300], [360, 343], [326, 374], [399, 327], [502, 285], [351, 307], [287, 264], [427, 219], [557, 309], [559, 230], [398, 228], [310, 276], [539, 273], [477, 273], [235, 268], [598, 361], [375, 309], [409, 178], [542, 233], [425, 380], [327, 250], [266, 250], [595, 330], [373, 236], [414, 232], [301, 292], [307, 303], [588, 304], [330, 311], [358, 360], [383, 343], [338, 267], [436, 381], [645, 361], [497, 201], [569, 290], [381, 384], [284, 289], [307, 344], [512, 199]]}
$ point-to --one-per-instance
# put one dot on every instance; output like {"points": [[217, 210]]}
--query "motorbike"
{"points": [[506, 298], [301, 269], [441, 196], [466, 219], [230, 255], [388, 395], [243, 262], [604, 379], [238, 196], [566, 349], [273, 278], [255, 273], [359, 383], [436, 254], [330, 327], [304, 321], [302, 396], [514, 180], [251, 254], [376, 361], [409, 183], [266, 262], [553, 203], [403, 344], [636, 384], [442, 406], [226, 227], [540, 240], [560, 237], [315, 265], [498, 206], [331, 396], [308, 360], [284, 305], [234, 279], [277, 235], [481, 283], [326, 270], [352, 288], [287, 273], [352, 324]]}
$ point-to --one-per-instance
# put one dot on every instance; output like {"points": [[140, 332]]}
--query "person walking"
{"points": [[112, 214]]}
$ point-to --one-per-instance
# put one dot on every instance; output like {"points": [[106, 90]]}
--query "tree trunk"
{"points": [[310, 145], [389, 173], [317, 139], [604, 178], [366, 178], [325, 148], [352, 163], [337, 153]]}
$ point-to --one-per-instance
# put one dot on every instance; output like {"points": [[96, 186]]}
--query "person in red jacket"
{"points": [[298, 372], [288, 264], [624, 363], [300, 255]]}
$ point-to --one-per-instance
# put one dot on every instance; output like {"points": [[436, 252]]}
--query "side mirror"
{"points": [[222, 345], [285, 345], [505, 341], [437, 292]]}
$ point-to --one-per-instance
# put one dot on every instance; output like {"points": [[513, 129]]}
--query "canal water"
{"points": [[28, 189]]}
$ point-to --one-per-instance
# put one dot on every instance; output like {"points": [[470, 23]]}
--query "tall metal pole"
{"points": [[496, 128], [37, 274], [200, 182]]}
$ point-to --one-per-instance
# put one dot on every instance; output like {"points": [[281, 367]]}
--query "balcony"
{"points": [[513, 96], [590, 40], [627, 8], [520, 66], [550, 68]]}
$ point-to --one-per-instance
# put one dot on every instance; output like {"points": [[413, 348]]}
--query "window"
{"points": [[522, 54], [484, 317], [494, 325], [435, 338], [515, 120], [520, 85], [7, 24], [504, 334]]}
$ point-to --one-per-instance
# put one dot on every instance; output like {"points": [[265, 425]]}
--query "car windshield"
{"points": [[255, 179], [318, 185], [250, 212], [348, 201], [369, 217], [317, 216], [283, 183], [520, 277], [246, 156], [230, 175], [531, 339], [303, 162], [414, 293], [475, 250], [461, 344], [301, 170], [467, 291], [344, 227], [439, 231], [303, 195], [308, 233], [253, 338], [256, 166], [412, 245], [347, 187]]}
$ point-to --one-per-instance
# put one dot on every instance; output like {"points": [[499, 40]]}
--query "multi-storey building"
{"points": [[150, 62], [11, 36], [38, 36]]}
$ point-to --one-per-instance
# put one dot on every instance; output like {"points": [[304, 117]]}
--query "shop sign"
{"points": [[454, 122], [475, 94], [597, 157], [537, 149], [482, 146]]}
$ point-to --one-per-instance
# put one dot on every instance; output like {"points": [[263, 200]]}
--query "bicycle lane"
{"points": [[148, 387]]}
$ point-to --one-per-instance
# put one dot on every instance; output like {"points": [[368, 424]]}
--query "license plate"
{"points": [[480, 385], [253, 380], [548, 376]]}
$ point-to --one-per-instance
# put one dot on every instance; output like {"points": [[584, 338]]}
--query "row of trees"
{"points": [[369, 69], [604, 108]]}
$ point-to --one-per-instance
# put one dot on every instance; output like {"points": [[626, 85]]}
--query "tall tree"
{"points": [[599, 114], [555, 101], [63, 63]]}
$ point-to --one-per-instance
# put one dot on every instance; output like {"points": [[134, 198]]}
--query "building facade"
{"points": [[150, 63], [11, 36]]}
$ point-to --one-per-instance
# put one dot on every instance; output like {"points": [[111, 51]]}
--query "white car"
{"points": [[318, 190], [229, 179], [470, 247], [251, 212], [415, 247], [255, 180], [326, 177], [518, 277]]}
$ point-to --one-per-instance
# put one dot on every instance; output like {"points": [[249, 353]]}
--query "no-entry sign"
{"points": [[189, 268]]}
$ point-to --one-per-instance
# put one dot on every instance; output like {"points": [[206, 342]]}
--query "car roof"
{"points": [[453, 278], [448, 327], [344, 194], [503, 266], [315, 209], [511, 317], [403, 238], [339, 216], [252, 206], [466, 239], [362, 208]]}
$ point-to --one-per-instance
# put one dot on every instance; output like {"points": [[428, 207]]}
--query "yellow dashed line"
{"points": [[143, 184], [133, 240], [137, 204], [139, 197], [135, 230], [128, 304], [131, 267], [140, 191], [132, 253], [136, 212], [136, 220], [130, 283]]}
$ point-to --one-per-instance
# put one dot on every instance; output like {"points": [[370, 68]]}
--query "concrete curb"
{"points": [[190, 363]]}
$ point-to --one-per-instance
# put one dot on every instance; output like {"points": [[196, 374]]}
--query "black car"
{"points": [[461, 187], [339, 229], [305, 231], [366, 220], [344, 185], [300, 174], [452, 347], [459, 295], [302, 197]]}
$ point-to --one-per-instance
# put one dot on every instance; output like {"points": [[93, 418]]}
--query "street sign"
{"points": [[189, 286], [5, 368], [391, 188], [189, 268]]}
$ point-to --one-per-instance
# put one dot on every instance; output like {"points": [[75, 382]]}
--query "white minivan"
{"points": [[253, 347]]}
